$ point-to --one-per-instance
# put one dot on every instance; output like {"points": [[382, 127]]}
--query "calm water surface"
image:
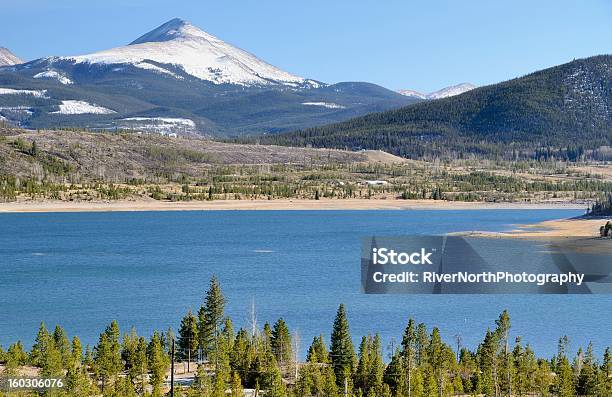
{"points": [[82, 270]]}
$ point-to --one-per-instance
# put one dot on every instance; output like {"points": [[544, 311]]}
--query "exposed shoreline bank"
{"points": [[557, 228], [269, 205]]}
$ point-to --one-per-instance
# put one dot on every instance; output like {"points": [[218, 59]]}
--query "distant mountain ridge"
{"points": [[564, 112], [442, 93], [7, 58], [178, 79]]}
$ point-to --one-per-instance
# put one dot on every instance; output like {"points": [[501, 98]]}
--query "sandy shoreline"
{"points": [[558, 228], [236, 205]]}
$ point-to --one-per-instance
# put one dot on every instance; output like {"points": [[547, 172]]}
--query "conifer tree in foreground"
{"points": [[210, 317], [188, 337], [422, 366], [281, 342], [342, 350]]}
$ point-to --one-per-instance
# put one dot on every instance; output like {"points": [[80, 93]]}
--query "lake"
{"points": [[146, 269]]}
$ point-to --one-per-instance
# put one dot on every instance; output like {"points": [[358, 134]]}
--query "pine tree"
{"points": [[62, 344], [210, 317], [78, 383], [564, 384], [503, 334], [221, 355], [422, 343], [140, 363], [486, 357], [266, 338], [377, 366], [228, 332], [363, 366], [242, 353], [14, 358], [281, 342], [76, 353], [124, 388], [409, 342], [102, 360], [438, 359], [107, 354], [543, 379], [317, 352], [468, 370], [219, 385], [394, 374], [45, 354], [88, 358], [158, 363], [605, 375], [587, 384], [188, 337], [277, 388], [40, 345], [237, 390], [342, 350]]}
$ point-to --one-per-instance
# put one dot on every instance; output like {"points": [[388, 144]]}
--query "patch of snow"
{"points": [[443, 93], [54, 74], [451, 91], [162, 125], [155, 68], [34, 93], [328, 105], [166, 120], [17, 109], [81, 107], [412, 93], [198, 53]]}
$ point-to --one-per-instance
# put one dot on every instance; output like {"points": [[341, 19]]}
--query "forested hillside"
{"points": [[564, 111]]}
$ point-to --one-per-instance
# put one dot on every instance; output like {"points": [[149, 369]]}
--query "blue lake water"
{"points": [[146, 269]]}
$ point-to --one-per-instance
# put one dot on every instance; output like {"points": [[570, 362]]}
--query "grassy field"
{"points": [[74, 166]]}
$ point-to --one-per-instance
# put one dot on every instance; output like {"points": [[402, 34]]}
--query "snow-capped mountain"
{"points": [[197, 53], [179, 79], [443, 93], [7, 58]]}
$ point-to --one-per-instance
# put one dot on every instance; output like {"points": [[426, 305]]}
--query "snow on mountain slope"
{"points": [[412, 93], [198, 53], [7, 58], [451, 91], [34, 93], [328, 105], [160, 125], [54, 75], [81, 107], [443, 93]]}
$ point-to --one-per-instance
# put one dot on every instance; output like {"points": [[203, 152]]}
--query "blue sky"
{"points": [[422, 45]]}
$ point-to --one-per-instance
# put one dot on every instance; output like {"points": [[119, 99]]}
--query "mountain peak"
{"points": [[7, 58], [179, 44], [173, 29]]}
